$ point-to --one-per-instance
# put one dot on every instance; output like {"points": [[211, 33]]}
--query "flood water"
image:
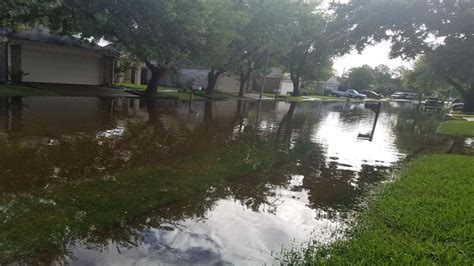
{"points": [[128, 181]]}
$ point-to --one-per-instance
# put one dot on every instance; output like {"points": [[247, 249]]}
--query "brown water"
{"points": [[123, 181]]}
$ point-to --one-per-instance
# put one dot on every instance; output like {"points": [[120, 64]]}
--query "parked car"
{"points": [[348, 94], [404, 95], [433, 103], [458, 105], [355, 94], [337, 93], [372, 94]]}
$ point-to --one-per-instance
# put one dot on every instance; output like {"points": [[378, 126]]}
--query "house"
{"points": [[332, 84], [227, 83], [276, 81], [47, 58]]}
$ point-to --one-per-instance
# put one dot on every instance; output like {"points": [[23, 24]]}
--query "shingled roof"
{"points": [[43, 35]]}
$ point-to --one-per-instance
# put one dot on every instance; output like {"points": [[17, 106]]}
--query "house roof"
{"points": [[333, 80], [43, 35]]}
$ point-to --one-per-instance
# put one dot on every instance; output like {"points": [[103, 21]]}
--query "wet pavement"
{"points": [[101, 181]]}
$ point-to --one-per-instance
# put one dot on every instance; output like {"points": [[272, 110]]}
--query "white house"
{"points": [[276, 81], [48, 58], [332, 84]]}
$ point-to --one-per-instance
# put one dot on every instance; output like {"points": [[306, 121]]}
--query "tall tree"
{"points": [[308, 44], [423, 78], [360, 78], [260, 38], [224, 19], [442, 30]]}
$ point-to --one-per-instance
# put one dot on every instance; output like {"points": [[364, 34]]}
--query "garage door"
{"points": [[51, 67]]}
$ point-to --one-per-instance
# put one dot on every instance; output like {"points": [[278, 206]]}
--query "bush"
{"points": [[17, 75]]}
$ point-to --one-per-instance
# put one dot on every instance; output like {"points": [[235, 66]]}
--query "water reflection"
{"points": [[103, 181]]}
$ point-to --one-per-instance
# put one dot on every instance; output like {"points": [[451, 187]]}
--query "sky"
{"points": [[372, 56]]}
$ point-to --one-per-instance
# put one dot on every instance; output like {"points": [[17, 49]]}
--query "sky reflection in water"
{"points": [[51, 142]]}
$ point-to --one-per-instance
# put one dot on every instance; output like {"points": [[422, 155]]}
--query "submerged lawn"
{"points": [[9, 90], [309, 98], [39, 226], [162, 90], [424, 218], [457, 128]]}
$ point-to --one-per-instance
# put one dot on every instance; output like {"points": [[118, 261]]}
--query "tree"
{"points": [[15, 14], [309, 46], [160, 33], [423, 78], [259, 38], [240, 35], [360, 78], [442, 30], [223, 21]]}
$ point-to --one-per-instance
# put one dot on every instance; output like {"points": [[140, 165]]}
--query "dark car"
{"points": [[433, 103], [372, 94], [458, 105]]}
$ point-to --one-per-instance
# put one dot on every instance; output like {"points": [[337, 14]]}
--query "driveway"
{"points": [[84, 90]]}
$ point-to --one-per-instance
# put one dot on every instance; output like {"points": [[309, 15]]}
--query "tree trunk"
{"points": [[156, 72], [244, 80], [467, 94], [242, 85], [469, 101], [212, 78], [296, 85]]}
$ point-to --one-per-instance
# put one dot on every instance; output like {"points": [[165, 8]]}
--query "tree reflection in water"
{"points": [[110, 171]]}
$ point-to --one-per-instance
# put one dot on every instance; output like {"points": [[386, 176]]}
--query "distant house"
{"points": [[332, 84], [48, 58], [276, 81], [227, 82]]}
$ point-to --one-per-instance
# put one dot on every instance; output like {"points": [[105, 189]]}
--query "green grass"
{"points": [[315, 98], [457, 128], [163, 91], [307, 98], [424, 218], [9, 90]]}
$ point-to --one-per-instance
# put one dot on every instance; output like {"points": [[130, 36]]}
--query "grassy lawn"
{"points": [[307, 98], [424, 218], [163, 91], [315, 98], [457, 127], [8, 90]]}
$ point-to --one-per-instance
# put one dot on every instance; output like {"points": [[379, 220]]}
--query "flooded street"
{"points": [[128, 181]]}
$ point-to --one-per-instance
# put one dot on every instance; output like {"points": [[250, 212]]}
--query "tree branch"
{"points": [[457, 86]]}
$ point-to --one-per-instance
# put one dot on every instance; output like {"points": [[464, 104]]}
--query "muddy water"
{"points": [[123, 181]]}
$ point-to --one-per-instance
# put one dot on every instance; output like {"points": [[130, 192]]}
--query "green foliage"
{"points": [[16, 75], [360, 78], [423, 78], [423, 218], [308, 44], [457, 128], [381, 79], [411, 26], [17, 14]]}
